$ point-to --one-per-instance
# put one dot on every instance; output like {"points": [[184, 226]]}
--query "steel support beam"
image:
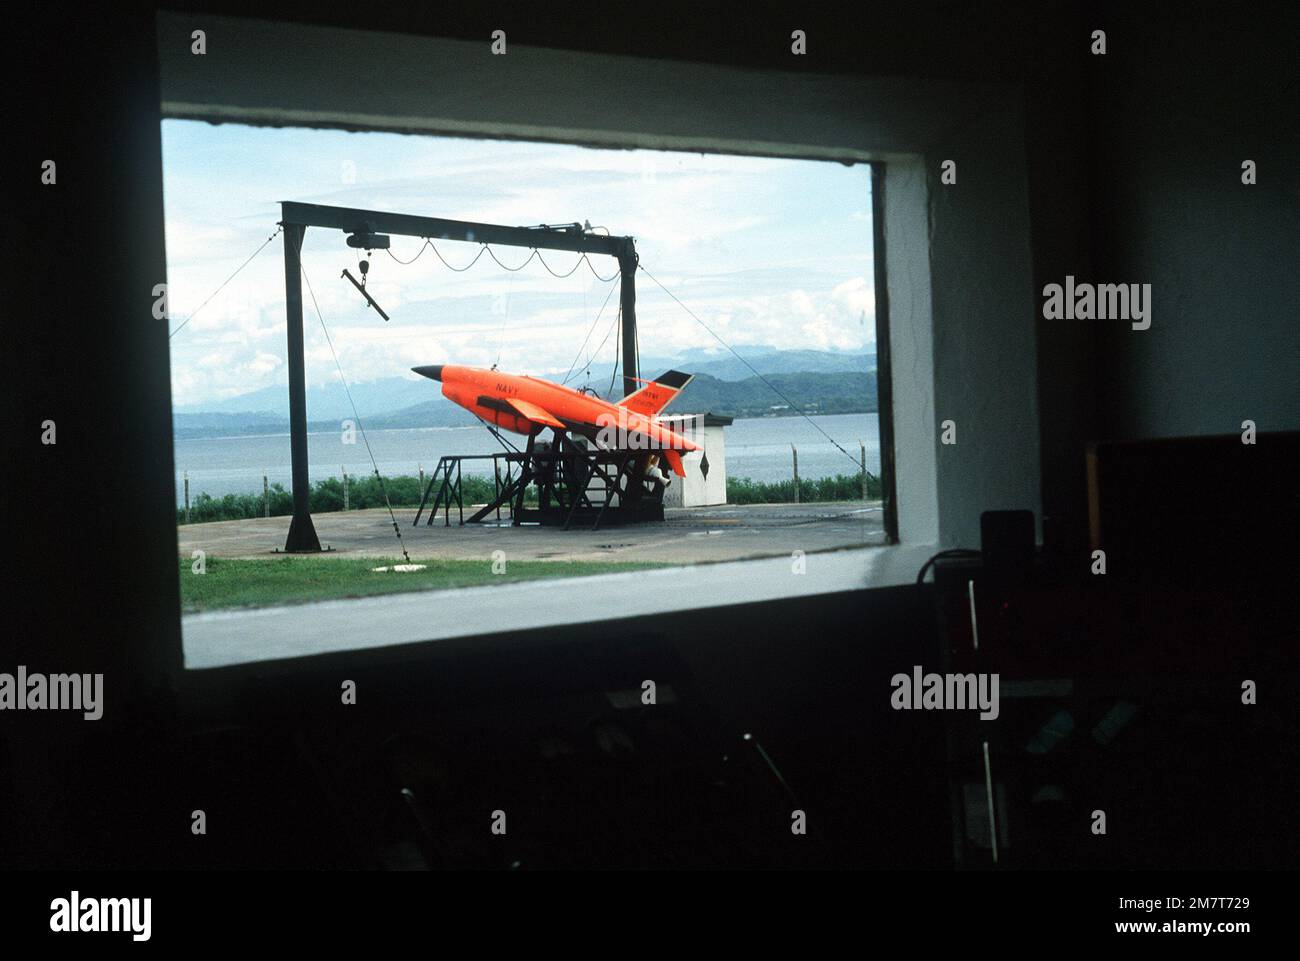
{"points": [[302, 532], [351, 220], [627, 301]]}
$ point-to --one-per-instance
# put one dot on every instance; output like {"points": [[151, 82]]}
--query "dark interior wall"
{"points": [[1057, 151], [94, 524], [1155, 138], [936, 39], [89, 355], [89, 526], [1178, 102], [1134, 172], [92, 357]]}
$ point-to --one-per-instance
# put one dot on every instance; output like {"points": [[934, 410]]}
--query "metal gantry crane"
{"points": [[370, 230]]}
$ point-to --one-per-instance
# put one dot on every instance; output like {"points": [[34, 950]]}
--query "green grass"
{"points": [[229, 583]]}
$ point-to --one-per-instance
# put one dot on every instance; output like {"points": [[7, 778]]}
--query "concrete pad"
{"points": [[687, 535]]}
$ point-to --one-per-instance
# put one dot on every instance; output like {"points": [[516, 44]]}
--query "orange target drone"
{"points": [[528, 405]]}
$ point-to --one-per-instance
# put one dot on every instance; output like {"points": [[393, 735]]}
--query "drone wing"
{"points": [[534, 413]]}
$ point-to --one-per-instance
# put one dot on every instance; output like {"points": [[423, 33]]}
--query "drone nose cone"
{"points": [[433, 371]]}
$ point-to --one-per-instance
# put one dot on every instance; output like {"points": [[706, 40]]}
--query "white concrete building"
{"points": [[701, 486]]}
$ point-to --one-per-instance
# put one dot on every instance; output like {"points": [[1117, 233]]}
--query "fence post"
{"points": [[186, 475], [795, 452], [345, 488], [863, 447], [266, 497]]}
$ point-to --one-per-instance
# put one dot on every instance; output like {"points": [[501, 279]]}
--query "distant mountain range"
{"points": [[811, 381], [764, 360], [327, 400], [841, 392]]}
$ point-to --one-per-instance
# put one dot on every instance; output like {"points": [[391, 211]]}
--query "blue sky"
{"points": [[766, 251]]}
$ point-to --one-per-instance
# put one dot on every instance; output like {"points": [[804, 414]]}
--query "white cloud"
{"points": [[765, 251]]}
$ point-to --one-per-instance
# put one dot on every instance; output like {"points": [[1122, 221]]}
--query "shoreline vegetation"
{"points": [[405, 491]]}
